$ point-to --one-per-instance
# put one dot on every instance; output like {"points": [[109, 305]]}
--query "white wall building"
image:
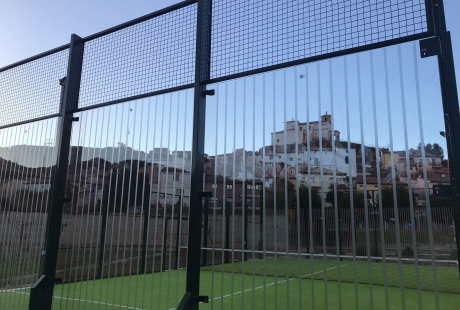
{"points": [[278, 138], [341, 160]]}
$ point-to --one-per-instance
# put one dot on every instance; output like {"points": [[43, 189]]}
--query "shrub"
{"points": [[408, 252]]}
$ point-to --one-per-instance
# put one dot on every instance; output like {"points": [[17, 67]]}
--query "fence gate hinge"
{"points": [[430, 47], [73, 119], [209, 92], [204, 299]]}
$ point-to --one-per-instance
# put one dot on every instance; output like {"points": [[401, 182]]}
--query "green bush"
{"points": [[408, 252]]}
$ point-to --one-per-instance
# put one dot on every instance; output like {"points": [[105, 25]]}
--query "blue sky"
{"points": [[31, 27]]}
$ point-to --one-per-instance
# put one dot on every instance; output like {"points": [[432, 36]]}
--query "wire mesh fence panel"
{"points": [[126, 222], [252, 35], [154, 55], [326, 184], [31, 90], [28, 158], [323, 193]]}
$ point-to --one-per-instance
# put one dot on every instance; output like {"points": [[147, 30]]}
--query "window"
{"points": [[229, 186], [300, 127], [346, 159], [277, 140], [271, 156], [214, 186], [279, 157], [316, 161], [300, 158], [292, 159]]}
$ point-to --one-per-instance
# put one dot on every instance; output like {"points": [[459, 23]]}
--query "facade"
{"points": [[300, 135]]}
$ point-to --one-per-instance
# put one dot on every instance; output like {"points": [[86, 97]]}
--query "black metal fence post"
{"points": [[227, 231], [105, 209], [261, 222], [191, 298], [450, 104], [165, 240], [178, 233], [205, 231], [145, 230], [41, 294], [245, 219]]}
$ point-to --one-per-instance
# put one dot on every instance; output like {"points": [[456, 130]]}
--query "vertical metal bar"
{"points": [[310, 207], [244, 198], [425, 181], [363, 164], [115, 179], [409, 179], [323, 211], [174, 202], [157, 193], [181, 196], [275, 223], [41, 295], [393, 177], [225, 220], [104, 207], [253, 189], [297, 184], [286, 201], [214, 228], [136, 187], [334, 173], [202, 73], [350, 182], [450, 104], [380, 203], [146, 204], [165, 204], [233, 193], [145, 215], [262, 199]]}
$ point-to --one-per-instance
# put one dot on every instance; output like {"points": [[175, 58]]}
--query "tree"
{"points": [[343, 199], [304, 197], [429, 148], [434, 149], [291, 196], [437, 150], [281, 194], [402, 197]]}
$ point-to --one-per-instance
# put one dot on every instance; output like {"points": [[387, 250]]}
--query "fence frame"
{"points": [[41, 293], [436, 41], [450, 103]]}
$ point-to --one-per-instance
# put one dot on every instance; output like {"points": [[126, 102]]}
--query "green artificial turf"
{"points": [[164, 290]]}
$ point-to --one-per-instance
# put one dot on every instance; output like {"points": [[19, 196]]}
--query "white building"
{"points": [[341, 160], [172, 184], [277, 138]]}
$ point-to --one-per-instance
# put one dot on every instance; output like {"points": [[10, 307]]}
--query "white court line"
{"points": [[14, 289], [90, 301], [259, 287]]}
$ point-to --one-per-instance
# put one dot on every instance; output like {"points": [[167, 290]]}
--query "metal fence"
{"points": [[203, 153]]}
